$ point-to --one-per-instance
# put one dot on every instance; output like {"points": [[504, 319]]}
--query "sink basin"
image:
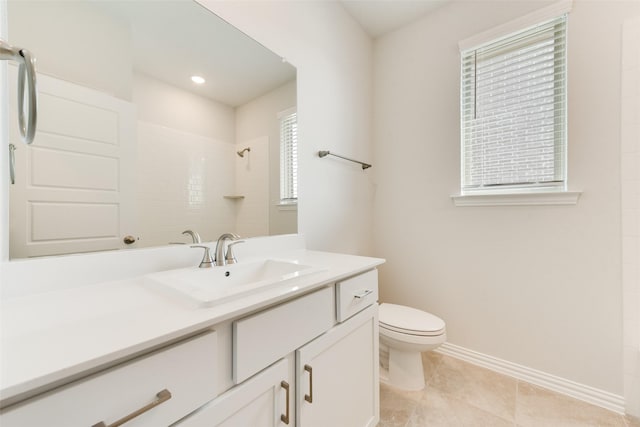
{"points": [[210, 286]]}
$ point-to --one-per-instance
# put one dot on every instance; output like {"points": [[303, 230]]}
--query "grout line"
{"points": [[515, 409], [465, 401], [410, 418]]}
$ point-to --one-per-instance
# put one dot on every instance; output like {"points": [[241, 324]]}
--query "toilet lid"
{"points": [[409, 320]]}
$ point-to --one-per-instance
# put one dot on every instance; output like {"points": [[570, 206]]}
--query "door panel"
{"points": [[75, 184]]}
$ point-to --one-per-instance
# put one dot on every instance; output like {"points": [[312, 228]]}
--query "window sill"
{"points": [[287, 206], [518, 199]]}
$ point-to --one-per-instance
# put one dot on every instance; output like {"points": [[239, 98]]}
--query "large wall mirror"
{"points": [[128, 145]]}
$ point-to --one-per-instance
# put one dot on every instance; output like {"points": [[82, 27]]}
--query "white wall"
{"points": [[75, 41], [172, 107], [260, 118], [538, 286], [333, 58], [630, 185]]}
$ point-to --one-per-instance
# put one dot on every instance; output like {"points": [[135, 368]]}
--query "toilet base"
{"points": [[405, 370]]}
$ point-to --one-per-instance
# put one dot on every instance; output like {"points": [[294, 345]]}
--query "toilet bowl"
{"points": [[405, 333]]}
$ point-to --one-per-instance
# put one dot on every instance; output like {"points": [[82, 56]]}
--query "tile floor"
{"points": [[462, 394]]}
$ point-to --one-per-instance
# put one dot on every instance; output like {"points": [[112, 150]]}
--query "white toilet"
{"points": [[405, 332]]}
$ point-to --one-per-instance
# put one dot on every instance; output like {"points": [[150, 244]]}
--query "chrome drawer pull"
{"points": [[285, 418], [363, 294], [162, 396], [309, 397]]}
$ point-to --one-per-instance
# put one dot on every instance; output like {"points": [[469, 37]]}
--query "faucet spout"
{"points": [[194, 236], [220, 253]]}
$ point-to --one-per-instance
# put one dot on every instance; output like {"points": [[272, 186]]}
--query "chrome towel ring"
{"points": [[26, 77]]}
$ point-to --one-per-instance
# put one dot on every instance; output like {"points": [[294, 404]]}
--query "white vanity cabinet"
{"points": [[295, 365], [310, 361]]}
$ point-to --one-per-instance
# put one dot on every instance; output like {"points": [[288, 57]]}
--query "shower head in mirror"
{"points": [[241, 152]]}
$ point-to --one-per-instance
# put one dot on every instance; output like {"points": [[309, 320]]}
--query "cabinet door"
{"points": [[262, 401], [337, 375]]}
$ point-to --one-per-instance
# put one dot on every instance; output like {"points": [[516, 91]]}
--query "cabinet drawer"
{"points": [[261, 339], [186, 370], [355, 294]]}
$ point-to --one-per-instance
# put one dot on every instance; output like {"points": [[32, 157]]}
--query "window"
{"points": [[288, 156], [513, 112]]}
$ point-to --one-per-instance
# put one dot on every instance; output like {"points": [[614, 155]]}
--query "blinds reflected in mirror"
{"points": [[288, 155]]}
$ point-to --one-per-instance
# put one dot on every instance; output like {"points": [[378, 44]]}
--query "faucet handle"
{"points": [[206, 262], [230, 258]]}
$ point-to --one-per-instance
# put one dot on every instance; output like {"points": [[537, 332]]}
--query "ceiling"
{"points": [[378, 17], [237, 68], [176, 39]]}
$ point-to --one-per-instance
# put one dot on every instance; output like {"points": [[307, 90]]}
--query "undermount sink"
{"points": [[210, 286]]}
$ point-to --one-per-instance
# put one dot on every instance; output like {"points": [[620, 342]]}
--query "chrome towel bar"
{"points": [[328, 153], [26, 72]]}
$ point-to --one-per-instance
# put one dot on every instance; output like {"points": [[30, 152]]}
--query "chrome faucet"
{"points": [[228, 258], [194, 236]]}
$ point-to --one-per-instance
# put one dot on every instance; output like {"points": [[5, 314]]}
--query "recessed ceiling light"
{"points": [[197, 79]]}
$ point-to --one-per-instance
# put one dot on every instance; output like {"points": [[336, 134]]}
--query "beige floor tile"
{"points": [[439, 409], [430, 362], [632, 421], [479, 387], [539, 407], [396, 406]]}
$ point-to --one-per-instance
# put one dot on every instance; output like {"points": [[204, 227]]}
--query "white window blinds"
{"points": [[288, 156], [513, 111]]}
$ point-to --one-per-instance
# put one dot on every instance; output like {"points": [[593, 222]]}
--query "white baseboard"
{"points": [[582, 392]]}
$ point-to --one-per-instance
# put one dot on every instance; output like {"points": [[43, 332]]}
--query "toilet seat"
{"points": [[398, 319]]}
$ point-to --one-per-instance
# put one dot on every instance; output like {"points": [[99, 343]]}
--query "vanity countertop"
{"points": [[49, 339]]}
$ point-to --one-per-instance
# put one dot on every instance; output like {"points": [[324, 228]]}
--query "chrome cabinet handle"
{"points": [[285, 417], [309, 397], [26, 73], [12, 163], [363, 294], [162, 397]]}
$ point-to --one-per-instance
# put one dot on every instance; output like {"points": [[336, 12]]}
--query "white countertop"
{"points": [[48, 339]]}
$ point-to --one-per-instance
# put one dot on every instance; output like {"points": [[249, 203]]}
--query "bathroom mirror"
{"points": [[129, 151]]}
